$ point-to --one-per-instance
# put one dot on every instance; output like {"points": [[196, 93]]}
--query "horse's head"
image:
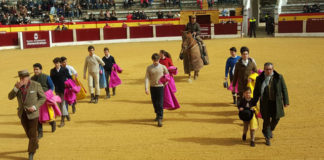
{"points": [[186, 35]]}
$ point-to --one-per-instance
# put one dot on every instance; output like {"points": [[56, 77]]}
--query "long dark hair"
{"points": [[165, 53]]}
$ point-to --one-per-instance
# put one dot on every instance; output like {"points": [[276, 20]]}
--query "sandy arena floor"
{"points": [[205, 127]]}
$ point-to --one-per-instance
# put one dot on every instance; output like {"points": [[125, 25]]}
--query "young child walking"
{"points": [[154, 73], [109, 61], [247, 113]]}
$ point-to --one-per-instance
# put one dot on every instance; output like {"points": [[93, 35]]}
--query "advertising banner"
{"points": [[36, 39]]}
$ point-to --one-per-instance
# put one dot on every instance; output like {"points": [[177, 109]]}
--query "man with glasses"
{"points": [[271, 89], [92, 65]]}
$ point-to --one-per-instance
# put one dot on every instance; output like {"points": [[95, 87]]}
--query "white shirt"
{"points": [[71, 70]]}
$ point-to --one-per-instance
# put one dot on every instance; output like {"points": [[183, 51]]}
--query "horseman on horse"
{"points": [[194, 28]]}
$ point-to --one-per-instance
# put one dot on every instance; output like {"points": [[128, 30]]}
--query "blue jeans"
{"points": [[157, 96]]}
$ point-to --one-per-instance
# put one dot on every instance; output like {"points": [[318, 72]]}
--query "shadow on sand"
{"points": [[7, 155]]}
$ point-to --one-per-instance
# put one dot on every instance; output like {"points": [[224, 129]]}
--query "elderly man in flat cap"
{"points": [[30, 96]]}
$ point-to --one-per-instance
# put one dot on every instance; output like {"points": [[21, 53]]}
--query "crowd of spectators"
{"points": [[102, 16], [311, 8]]}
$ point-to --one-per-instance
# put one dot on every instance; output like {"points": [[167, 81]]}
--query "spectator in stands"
{"points": [[58, 28], [210, 3], [306, 8], [107, 26], [159, 15], [62, 19], [107, 15], [143, 15], [144, 3], [92, 17], [124, 25], [177, 15], [112, 3], [64, 27], [317, 7], [129, 16], [169, 15], [224, 12], [101, 16], [126, 4], [53, 10], [46, 18], [78, 11], [113, 16]]}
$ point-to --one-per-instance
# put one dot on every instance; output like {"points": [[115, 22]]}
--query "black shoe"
{"points": [[62, 123], [53, 124], [268, 142], [96, 99], [244, 137], [252, 144], [31, 155], [159, 122], [40, 135], [92, 98], [73, 109], [68, 117]]}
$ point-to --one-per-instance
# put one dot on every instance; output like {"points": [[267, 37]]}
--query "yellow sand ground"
{"points": [[205, 127]]}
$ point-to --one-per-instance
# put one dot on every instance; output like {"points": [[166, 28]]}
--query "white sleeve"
{"points": [[72, 70]]}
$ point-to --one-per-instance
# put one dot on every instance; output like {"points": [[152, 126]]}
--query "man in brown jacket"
{"points": [[242, 71], [30, 96]]}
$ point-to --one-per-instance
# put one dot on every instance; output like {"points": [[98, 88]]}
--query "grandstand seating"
{"points": [[296, 6]]}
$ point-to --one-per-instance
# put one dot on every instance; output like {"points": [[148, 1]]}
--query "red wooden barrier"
{"points": [[169, 30], [141, 32], [9, 39], [88, 34], [315, 26], [290, 27], [62, 36], [230, 28], [115, 33]]}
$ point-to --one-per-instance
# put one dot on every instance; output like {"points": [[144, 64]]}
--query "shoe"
{"points": [[40, 135], [96, 99], [252, 144], [53, 124], [107, 96], [92, 98], [268, 142], [234, 99], [31, 155], [244, 137], [68, 117], [73, 109], [159, 122], [62, 122]]}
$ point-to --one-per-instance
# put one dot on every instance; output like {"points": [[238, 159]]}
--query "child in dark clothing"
{"points": [[245, 104], [109, 62]]}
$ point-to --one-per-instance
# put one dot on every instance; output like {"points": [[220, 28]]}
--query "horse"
{"points": [[190, 53]]}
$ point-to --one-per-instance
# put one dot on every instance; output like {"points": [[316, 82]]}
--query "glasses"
{"points": [[268, 69]]}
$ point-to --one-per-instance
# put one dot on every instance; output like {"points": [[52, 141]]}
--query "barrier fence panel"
{"points": [[141, 32], [230, 28], [62, 36], [290, 26], [115, 33], [205, 31], [315, 25], [8, 39], [88, 34], [169, 30], [36, 39]]}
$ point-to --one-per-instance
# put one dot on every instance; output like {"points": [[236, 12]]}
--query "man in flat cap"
{"points": [[30, 96]]}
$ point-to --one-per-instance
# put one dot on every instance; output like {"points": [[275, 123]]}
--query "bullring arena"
{"points": [[205, 127]]}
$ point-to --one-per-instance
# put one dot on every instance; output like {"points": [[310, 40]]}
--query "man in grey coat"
{"points": [[270, 88], [30, 96]]}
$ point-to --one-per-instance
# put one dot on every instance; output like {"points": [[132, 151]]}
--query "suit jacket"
{"points": [[35, 97], [59, 78], [92, 64], [242, 73]]}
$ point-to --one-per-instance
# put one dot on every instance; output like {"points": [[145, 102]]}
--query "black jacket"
{"points": [[59, 78]]}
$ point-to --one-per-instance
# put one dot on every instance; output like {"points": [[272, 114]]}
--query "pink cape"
{"points": [[51, 101], [70, 91], [170, 101], [231, 87], [114, 79]]}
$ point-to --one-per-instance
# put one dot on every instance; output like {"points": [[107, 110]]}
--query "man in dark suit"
{"points": [[59, 75], [270, 88], [30, 96]]}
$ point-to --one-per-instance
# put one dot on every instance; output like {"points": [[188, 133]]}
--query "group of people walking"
{"points": [[252, 86], [38, 105]]}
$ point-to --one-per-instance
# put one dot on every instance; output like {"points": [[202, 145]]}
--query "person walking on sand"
{"points": [[153, 74], [92, 65], [30, 97]]}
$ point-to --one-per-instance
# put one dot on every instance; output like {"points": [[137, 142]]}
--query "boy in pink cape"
{"points": [[170, 101]]}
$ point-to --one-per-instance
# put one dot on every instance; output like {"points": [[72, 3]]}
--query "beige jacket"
{"points": [[92, 64], [35, 97]]}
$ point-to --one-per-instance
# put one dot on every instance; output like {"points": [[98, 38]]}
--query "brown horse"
{"points": [[190, 53]]}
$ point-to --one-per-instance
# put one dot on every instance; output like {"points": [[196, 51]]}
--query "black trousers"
{"points": [[30, 127], [157, 96], [270, 121], [107, 75]]}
